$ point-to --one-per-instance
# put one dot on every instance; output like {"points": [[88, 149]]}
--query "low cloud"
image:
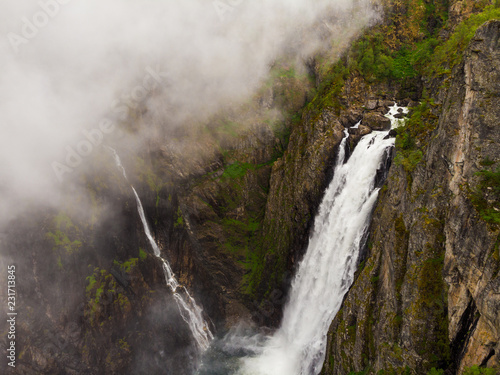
{"points": [[71, 68]]}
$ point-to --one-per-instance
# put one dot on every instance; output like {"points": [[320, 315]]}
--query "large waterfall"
{"points": [[327, 270], [189, 310]]}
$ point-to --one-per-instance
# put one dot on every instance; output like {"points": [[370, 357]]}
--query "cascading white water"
{"points": [[327, 270], [191, 313]]}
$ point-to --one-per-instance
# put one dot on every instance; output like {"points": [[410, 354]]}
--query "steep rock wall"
{"points": [[426, 294]]}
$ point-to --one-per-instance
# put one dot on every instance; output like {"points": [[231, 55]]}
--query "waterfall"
{"points": [[327, 270], [190, 312]]}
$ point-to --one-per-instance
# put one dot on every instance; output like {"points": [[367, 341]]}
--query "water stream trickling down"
{"points": [[189, 310], [327, 270]]}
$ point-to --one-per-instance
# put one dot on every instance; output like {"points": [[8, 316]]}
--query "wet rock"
{"points": [[392, 134]]}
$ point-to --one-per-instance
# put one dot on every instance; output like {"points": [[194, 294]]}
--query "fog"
{"points": [[70, 66]]}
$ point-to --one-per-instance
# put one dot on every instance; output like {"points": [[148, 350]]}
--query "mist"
{"points": [[70, 68]]}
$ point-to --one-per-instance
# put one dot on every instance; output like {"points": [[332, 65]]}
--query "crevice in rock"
{"points": [[487, 358], [467, 324], [383, 170]]}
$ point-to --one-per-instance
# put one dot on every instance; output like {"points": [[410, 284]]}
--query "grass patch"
{"points": [[486, 197], [128, 265], [237, 170], [413, 135], [476, 370], [329, 90]]}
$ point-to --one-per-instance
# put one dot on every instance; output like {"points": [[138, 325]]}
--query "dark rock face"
{"points": [[297, 184], [93, 303], [427, 295]]}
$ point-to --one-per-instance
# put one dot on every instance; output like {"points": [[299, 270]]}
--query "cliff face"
{"points": [[95, 296], [426, 294], [90, 298]]}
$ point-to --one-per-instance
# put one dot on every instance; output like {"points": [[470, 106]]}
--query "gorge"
{"points": [[281, 228]]}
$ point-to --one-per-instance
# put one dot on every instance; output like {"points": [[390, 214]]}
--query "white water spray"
{"points": [[327, 270], [189, 310]]}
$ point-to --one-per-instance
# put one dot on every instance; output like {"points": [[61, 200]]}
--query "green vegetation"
{"points": [[230, 128], [434, 371], [128, 265], [389, 53], [281, 71], [401, 371], [364, 372], [60, 236], [431, 307], [102, 290], [239, 235], [476, 370], [373, 61], [123, 344], [237, 170], [486, 197], [329, 91], [179, 222], [146, 174], [91, 282], [450, 53], [64, 237], [142, 254], [413, 135]]}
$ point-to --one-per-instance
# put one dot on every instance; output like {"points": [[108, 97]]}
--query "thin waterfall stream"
{"points": [[322, 278], [190, 312]]}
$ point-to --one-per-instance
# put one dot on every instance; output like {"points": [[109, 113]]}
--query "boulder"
{"points": [[371, 104], [376, 121], [355, 134], [364, 130], [350, 118], [404, 102], [360, 131]]}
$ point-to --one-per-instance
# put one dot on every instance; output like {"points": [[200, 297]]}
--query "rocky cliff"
{"points": [[426, 294]]}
